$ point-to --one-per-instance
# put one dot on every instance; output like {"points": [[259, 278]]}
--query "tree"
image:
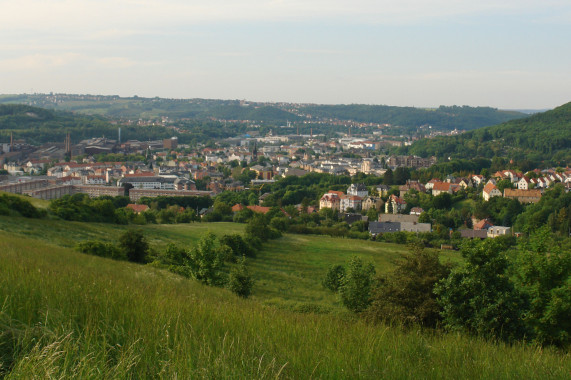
{"points": [[240, 282], [543, 273], [388, 177], [407, 294], [134, 245], [355, 289], [479, 298], [334, 277], [206, 262]]}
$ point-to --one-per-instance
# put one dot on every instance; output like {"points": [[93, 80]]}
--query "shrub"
{"points": [[101, 249], [355, 289], [407, 295], [134, 245], [334, 277], [240, 282]]}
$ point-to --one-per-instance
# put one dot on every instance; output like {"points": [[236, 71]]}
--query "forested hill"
{"points": [[37, 125], [453, 117], [541, 137], [134, 108]]}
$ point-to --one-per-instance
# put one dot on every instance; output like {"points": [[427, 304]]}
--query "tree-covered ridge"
{"points": [[40, 125], [461, 117], [443, 117], [544, 136]]}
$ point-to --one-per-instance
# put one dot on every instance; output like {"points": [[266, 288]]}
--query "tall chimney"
{"points": [[119, 135]]}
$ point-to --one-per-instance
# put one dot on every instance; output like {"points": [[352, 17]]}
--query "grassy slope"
{"points": [[65, 314], [288, 271]]}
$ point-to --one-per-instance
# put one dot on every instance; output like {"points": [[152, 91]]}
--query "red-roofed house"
{"points": [[350, 201], [331, 200], [137, 209], [483, 224], [490, 190]]}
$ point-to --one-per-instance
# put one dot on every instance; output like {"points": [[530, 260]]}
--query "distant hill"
{"points": [[39, 125], [450, 118], [540, 137], [134, 108]]}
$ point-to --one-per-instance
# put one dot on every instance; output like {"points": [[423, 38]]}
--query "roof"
{"points": [[472, 234], [441, 186], [137, 208], [483, 224], [259, 209], [522, 193], [237, 207], [489, 188]]}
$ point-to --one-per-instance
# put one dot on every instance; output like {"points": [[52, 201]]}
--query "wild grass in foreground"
{"points": [[64, 314]]}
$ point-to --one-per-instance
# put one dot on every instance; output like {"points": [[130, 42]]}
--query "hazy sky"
{"points": [[501, 53]]}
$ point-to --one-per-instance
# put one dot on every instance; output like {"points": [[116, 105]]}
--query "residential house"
{"points": [[524, 183], [395, 205], [496, 231], [477, 179], [416, 211], [443, 187], [483, 224], [330, 200], [359, 190], [372, 202], [350, 202], [490, 190], [383, 190]]}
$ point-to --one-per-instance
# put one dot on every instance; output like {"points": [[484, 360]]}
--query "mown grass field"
{"points": [[68, 315]]}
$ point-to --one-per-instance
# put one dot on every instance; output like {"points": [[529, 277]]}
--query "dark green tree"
{"points": [[355, 289], [334, 277], [134, 245], [407, 295], [240, 281], [543, 273], [479, 298]]}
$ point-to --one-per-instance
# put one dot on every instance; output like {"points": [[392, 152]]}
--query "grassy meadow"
{"points": [[64, 314]]}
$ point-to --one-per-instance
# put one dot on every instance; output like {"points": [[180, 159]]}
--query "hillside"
{"points": [[66, 314], [40, 125], [455, 117], [540, 137], [288, 270], [448, 118]]}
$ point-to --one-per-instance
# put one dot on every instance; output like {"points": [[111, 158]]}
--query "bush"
{"points": [[355, 289], [101, 249], [407, 295], [479, 298], [134, 245], [334, 277], [240, 282]]}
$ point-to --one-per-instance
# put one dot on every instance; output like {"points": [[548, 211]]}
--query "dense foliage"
{"points": [[443, 117], [406, 295], [544, 137]]}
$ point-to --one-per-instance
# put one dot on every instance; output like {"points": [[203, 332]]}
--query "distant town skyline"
{"points": [[511, 54]]}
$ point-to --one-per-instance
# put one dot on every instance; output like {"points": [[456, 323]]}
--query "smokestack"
{"points": [[11, 141], [119, 135]]}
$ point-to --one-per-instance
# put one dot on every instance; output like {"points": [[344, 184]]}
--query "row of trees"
{"points": [[521, 293]]}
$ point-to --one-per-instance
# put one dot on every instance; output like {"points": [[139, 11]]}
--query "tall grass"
{"points": [[64, 314]]}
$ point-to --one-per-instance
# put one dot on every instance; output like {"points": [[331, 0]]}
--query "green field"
{"points": [[64, 314], [288, 271]]}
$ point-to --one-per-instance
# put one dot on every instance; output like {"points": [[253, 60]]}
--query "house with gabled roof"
{"points": [[490, 191], [397, 204]]}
